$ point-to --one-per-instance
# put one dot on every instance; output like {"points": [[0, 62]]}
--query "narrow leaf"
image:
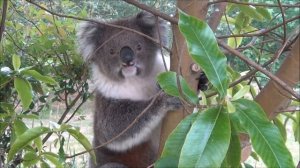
{"points": [[210, 132], [16, 62], [251, 11], [202, 46], [53, 158], [23, 88], [171, 152], [241, 93], [168, 82], [25, 139], [235, 42], [264, 12], [265, 137], [233, 156], [40, 77], [83, 141]]}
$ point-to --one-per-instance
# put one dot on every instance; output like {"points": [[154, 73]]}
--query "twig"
{"points": [[283, 20], [63, 116], [153, 11], [260, 32], [98, 22], [261, 69], [254, 4], [2, 24]]}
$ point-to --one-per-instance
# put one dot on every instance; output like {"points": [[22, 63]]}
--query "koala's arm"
{"points": [[118, 114]]}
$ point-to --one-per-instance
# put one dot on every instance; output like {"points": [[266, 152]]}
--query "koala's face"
{"points": [[121, 54]]}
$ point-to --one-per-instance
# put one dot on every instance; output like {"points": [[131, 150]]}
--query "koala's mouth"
{"points": [[130, 69]]}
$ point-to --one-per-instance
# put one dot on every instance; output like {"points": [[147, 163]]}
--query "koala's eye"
{"points": [[111, 51], [138, 47]]}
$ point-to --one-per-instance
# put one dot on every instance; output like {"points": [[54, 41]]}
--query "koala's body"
{"points": [[125, 65]]}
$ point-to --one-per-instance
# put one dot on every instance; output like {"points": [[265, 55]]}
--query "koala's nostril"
{"points": [[127, 55]]}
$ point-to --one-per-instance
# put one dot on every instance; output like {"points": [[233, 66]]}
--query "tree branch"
{"points": [[260, 32], [153, 11], [261, 69]]}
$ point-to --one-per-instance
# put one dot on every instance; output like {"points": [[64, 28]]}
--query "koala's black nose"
{"points": [[127, 55]]}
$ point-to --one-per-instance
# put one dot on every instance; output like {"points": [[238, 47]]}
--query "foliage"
{"points": [[204, 138], [40, 68]]}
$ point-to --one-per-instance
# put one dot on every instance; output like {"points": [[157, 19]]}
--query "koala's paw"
{"points": [[171, 103]]}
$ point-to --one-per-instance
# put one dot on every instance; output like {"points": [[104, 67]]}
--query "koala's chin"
{"points": [[129, 71]]}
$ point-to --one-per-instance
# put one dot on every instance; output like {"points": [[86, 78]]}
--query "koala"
{"points": [[124, 66]]}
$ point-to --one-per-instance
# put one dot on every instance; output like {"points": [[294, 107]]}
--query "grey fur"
{"points": [[124, 92]]}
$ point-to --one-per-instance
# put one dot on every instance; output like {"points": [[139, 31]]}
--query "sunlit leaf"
{"points": [[202, 46], [264, 12], [251, 11], [241, 93]]}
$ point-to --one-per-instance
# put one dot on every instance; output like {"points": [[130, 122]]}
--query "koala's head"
{"points": [[121, 54]]}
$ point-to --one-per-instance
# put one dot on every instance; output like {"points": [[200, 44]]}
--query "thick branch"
{"points": [[216, 16], [289, 73]]}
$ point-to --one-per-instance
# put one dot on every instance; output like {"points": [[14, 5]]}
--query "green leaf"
{"points": [[16, 62], [233, 156], [23, 88], [40, 77], [241, 93], [264, 12], [280, 127], [83, 141], [202, 46], [19, 127], [230, 107], [171, 152], [235, 42], [24, 139], [168, 82], [251, 11], [210, 132], [53, 158], [61, 151], [296, 127], [239, 21], [265, 137], [30, 159]]}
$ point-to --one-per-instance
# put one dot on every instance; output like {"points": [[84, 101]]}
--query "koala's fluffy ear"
{"points": [[147, 21], [88, 35]]}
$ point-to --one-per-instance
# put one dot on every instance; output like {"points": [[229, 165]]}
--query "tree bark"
{"points": [[181, 62], [273, 98]]}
